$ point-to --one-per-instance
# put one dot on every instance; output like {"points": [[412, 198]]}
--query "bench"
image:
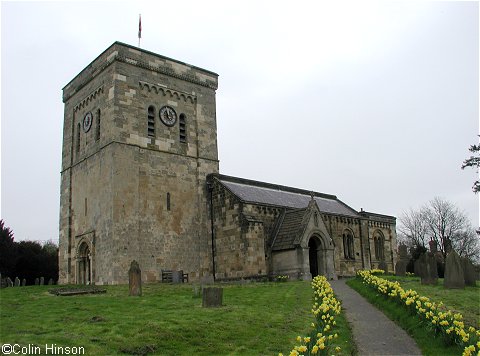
{"points": [[167, 276]]}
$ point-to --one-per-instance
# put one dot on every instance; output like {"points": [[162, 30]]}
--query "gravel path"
{"points": [[373, 332]]}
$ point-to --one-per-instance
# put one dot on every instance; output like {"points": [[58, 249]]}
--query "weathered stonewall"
{"points": [[427, 268], [212, 297], [17, 282], [469, 272], [454, 276], [135, 279]]}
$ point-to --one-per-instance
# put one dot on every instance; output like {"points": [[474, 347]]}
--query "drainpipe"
{"points": [[210, 189]]}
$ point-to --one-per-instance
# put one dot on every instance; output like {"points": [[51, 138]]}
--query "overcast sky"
{"points": [[375, 102]]}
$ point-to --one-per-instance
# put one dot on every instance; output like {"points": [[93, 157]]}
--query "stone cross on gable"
{"points": [[312, 195]]}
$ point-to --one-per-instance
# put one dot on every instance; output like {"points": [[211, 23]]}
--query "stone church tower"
{"points": [[139, 139]]}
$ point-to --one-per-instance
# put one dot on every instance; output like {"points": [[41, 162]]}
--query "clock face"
{"points": [[168, 115], [87, 121]]}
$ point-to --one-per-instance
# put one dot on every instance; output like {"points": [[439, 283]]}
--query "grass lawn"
{"points": [[467, 301], [256, 319], [464, 301]]}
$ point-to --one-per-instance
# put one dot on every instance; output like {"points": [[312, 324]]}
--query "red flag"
{"points": [[139, 26]]}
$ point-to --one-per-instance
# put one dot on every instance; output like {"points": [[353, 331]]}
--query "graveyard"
{"points": [[254, 318], [167, 319]]}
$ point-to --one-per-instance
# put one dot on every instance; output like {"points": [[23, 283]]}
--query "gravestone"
{"points": [[212, 297], [402, 252], [197, 290], [454, 276], [401, 268], [177, 276], [37, 281], [9, 282], [426, 266], [50, 282], [42, 281], [24, 282], [433, 246], [383, 266], [17, 282], [469, 272], [135, 279]]}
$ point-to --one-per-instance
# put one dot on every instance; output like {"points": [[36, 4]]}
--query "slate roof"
{"points": [[291, 225], [271, 194]]}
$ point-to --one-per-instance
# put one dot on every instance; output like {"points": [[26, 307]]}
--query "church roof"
{"points": [[272, 194], [290, 226]]}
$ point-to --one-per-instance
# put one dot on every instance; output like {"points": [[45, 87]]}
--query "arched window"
{"points": [[151, 121], [182, 124], [348, 247], [97, 132], [379, 243]]}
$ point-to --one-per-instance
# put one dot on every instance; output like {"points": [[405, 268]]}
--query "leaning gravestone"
{"points": [[42, 281], [454, 276], [24, 282], [469, 272], [37, 281], [212, 297], [426, 267], [9, 282], [135, 279], [17, 282], [383, 266]]}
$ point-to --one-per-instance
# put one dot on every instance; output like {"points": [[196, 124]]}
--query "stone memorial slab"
{"points": [[24, 282], [469, 272], [37, 281], [383, 266], [50, 282], [212, 297], [401, 268], [135, 279], [9, 282], [427, 268], [454, 276], [42, 281], [17, 282], [402, 252]]}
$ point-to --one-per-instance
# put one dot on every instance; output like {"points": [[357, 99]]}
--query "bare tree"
{"points": [[412, 229], [448, 225], [442, 222]]}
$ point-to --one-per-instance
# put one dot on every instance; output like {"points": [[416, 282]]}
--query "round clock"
{"points": [[168, 115], [87, 121]]}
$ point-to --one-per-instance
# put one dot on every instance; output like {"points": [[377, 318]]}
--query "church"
{"points": [[140, 181]]}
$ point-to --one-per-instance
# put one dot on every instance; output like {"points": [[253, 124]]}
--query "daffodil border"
{"points": [[442, 321], [321, 340]]}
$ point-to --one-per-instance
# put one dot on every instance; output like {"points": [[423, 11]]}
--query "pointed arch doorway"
{"points": [[315, 254]]}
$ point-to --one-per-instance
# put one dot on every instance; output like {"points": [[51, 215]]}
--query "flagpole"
{"points": [[139, 28]]}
